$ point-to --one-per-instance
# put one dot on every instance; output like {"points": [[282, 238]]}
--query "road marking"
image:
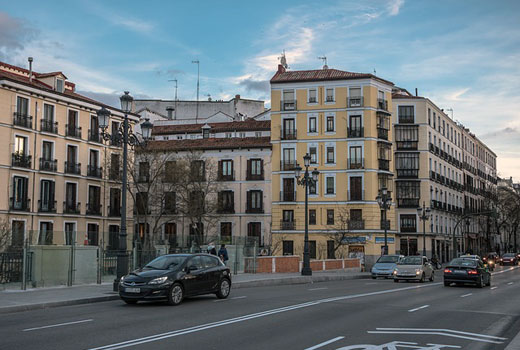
{"points": [[444, 332], [175, 333], [56, 325], [510, 283], [319, 288], [419, 308], [325, 343], [466, 295], [507, 270], [241, 297], [493, 288]]}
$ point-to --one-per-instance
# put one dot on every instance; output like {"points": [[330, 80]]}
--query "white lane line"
{"points": [[56, 325], [494, 288], [443, 330], [510, 283], [241, 297], [176, 333], [466, 295], [419, 308], [319, 288], [438, 333], [507, 270], [324, 343]]}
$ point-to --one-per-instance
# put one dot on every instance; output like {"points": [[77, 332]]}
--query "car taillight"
{"points": [[472, 272], [447, 271]]}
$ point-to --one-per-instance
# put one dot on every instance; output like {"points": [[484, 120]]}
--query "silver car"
{"points": [[415, 268], [385, 266]]}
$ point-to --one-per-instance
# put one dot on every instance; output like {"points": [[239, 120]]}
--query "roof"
{"points": [[211, 143], [247, 125], [320, 74], [397, 96]]}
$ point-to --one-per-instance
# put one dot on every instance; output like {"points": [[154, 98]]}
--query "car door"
{"points": [[212, 271], [194, 277], [427, 268]]}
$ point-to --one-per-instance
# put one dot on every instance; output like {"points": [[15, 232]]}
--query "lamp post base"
{"points": [[306, 271], [115, 286]]}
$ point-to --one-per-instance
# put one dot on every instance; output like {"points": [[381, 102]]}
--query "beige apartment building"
{"points": [[342, 120], [235, 156], [62, 181]]}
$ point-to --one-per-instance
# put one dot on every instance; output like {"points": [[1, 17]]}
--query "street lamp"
{"points": [[126, 137], [424, 214], [385, 201], [306, 181], [467, 245]]}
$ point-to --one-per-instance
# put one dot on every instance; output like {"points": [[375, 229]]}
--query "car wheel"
{"points": [[176, 294], [422, 278], [431, 277], [446, 284], [374, 277], [224, 288], [130, 301], [396, 280], [480, 283]]}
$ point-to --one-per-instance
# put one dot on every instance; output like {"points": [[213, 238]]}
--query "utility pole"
{"points": [[198, 84], [175, 101]]}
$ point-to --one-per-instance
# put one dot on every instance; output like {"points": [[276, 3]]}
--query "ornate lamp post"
{"points": [[126, 137], [385, 201], [306, 181], [424, 214]]}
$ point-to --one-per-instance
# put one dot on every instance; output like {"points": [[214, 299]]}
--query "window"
{"points": [[144, 171], [47, 193], [141, 203], [330, 250], [407, 164], [355, 99], [94, 199], [169, 171], [406, 114], [226, 231], [408, 194], [170, 202], [329, 181], [254, 201], [20, 145], [93, 234], [254, 230], [312, 216], [205, 133], [258, 134], [22, 106], [20, 193], [312, 124], [408, 223], [355, 129], [356, 188], [330, 155], [46, 233], [355, 158], [226, 169], [255, 169], [330, 216], [313, 152], [59, 85], [115, 202], [406, 137], [48, 119], [429, 116], [312, 96], [330, 123], [17, 233], [330, 94], [114, 166], [226, 202], [312, 249], [198, 170], [113, 237], [434, 123], [313, 188], [70, 233], [288, 102], [287, 247]]}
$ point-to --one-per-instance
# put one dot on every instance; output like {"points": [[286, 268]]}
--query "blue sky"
{"points": [[463, 55]]}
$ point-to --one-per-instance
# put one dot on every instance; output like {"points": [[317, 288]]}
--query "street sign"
{"points": [[381, 240]]}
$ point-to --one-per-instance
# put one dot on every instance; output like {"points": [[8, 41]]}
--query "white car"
{"points": [[415, 268]]}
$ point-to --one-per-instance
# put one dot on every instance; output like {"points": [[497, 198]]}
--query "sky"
{"points": [[463, 55]]}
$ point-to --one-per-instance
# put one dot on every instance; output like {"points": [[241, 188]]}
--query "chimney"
{"points": [[170, 110], [237, 97], [30, 59], [281, 69], [415, 91]]}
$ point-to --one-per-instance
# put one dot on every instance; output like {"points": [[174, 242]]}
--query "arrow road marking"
{"points": [[324, 343], [493, 288], [510, 283], [466, 295], [419, 308], [57, 325], [444, 332]]}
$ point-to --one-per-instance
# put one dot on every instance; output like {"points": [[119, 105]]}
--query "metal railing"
{"points": [[288, 105], [94, 171], [11, 267], [94, 209], [288, 225], [382, 133], [288, 134], [287, 196], [49, 126], [94, 136], [286, 165], [21, 160], [357, 163], [22, 120], [355, 132], [19, 205], [71, 208], [114, 211], [48, 164], [382, 104], [408, 202], [356, 101], [73, 168], [384, 164], [408, 173], [406, 145], [356, 224], [409, 119], [356, 195], [73, 131], [46, 206]]}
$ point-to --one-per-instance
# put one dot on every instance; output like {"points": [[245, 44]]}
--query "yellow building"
{"points": [[342, 120], [61, 181]]}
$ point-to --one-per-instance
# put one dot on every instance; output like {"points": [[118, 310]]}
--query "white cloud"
{"points": [[394, 6], [132, 24]]}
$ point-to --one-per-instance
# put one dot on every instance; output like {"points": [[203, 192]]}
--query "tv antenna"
{"points": [[175, 100], [197, 62], [283, 60], [324, 59]]}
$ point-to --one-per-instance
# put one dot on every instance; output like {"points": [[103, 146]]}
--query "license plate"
{"points": [[133, 290], [459, 271]]}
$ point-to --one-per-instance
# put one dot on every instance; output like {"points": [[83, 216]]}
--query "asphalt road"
{"points": [[346, 315]]}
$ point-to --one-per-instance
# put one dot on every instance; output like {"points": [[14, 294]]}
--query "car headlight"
{"points": [[158, 280], [418, 272], [395, 272], [122, 279]]}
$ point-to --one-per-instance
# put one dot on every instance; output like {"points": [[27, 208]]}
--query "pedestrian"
{"points": [[222, 253], [211, 249]]}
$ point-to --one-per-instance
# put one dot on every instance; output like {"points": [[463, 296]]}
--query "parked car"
{"points": [[414, 268], [508, 259], [465, 270], [491, 260], [385, 266], [175, 276]]}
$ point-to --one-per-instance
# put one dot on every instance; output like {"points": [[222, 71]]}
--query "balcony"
{"points": [[356, 163], [71, 208], [408, 173], [382, 104], [48, 164], [432, 175], [288, 134], [354, 102], [143, 178], [254, 177], [73, 168], [94, 209], [356, 224], [95, 171], [251, 210], [226, 177], [382, 133], [406, 145], [287, 225], [73, 131], [329, 99], [114, 211], [384, 164], [287, 196], [409, 119], [288, 105], [355, 132], [49, 126], [94, 136], [286, 165], [19, 204], [312, 100], [23, 120], [356, 195], [408, 229], [408, 202], [115, 140], [21, 160], [47, 206]]}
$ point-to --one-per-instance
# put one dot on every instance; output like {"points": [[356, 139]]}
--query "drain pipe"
{"points": [[30, 59]]}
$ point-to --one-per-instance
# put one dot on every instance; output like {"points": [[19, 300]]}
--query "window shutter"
{"points": [[248, 168], [248, 200], [219, 168], [262, 167], [261, 193]]}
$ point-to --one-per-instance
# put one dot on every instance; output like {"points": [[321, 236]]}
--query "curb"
{"points": [[244, 284], [514, 344]]}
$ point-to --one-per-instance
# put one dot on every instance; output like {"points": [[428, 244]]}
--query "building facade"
{"points": [[342, 120], [62, 181]]}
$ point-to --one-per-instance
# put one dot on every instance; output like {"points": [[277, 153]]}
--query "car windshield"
{"points": [[411, 260], [388, 259], [508, 255], [165, 262], [463, 262]]}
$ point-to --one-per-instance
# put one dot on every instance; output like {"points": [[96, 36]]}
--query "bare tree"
{"points": [[5, 234], [339, 233]]}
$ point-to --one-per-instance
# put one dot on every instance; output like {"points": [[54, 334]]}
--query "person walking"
{"points": [[223, 254], [211, 249]]}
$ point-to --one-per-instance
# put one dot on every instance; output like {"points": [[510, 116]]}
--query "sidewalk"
{"points": [[41, 298]]}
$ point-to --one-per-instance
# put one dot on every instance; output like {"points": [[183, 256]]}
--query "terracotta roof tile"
{"points": [[211, 143], [247, 125], [321, 74]]}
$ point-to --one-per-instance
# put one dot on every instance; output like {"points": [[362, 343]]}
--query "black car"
{"points": [[508, 258], [464, 270], [175, 276]]}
